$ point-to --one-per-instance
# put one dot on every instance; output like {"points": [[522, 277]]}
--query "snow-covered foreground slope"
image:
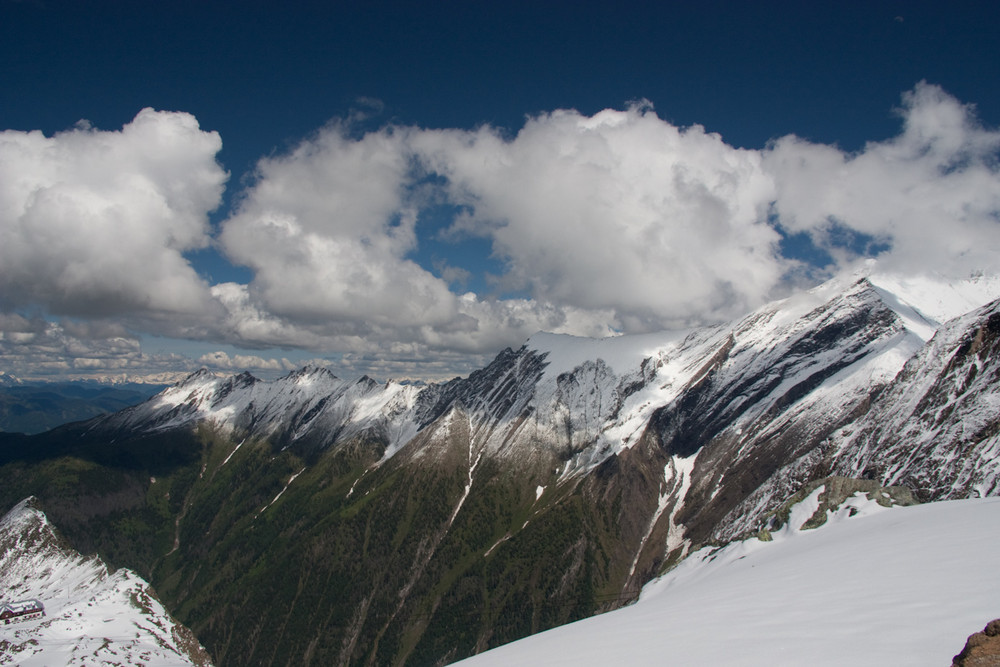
{"points": [[92, 617], [900, 586]]}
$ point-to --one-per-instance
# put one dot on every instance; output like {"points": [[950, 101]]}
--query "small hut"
{"points": [[22, 610]]}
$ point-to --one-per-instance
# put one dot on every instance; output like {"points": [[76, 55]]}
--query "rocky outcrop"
{"points": [[982, 648]]}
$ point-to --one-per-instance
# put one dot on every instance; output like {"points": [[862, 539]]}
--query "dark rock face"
{"points": [[753, 414], [982, 648], [936, 428]]}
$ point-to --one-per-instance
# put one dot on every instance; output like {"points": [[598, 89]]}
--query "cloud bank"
{"points": [[95, 223], [620, 212], [931, 194], [617, 222]]}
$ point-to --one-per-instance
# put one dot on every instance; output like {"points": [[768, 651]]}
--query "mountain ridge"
{"points": [[440, 520]]}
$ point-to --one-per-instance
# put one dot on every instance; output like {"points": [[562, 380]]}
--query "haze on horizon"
{"points": [[375, 242]]}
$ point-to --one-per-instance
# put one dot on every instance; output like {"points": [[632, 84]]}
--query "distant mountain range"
{"points": [[34, 407], [315, 520]]}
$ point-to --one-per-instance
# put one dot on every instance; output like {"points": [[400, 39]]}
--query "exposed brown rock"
{"points": [[982, 649]]}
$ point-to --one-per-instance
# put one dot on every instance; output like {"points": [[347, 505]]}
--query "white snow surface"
{"points": [[92, 616], [934, 300], [621, 353], [900, 586]]}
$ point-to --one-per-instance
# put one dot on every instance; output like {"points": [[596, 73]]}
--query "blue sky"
{"points": [[403, 190]]}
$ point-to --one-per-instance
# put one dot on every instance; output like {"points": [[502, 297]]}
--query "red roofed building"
{"points": [[21, 611]]}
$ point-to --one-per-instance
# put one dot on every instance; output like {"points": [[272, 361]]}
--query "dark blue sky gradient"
{"points": [[265, 74]]}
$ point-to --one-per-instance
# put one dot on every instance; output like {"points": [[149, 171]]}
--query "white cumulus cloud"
{"points": [[930, 194], [619, 221], [96, 222], [621, 211], [326, 230], [240, 362], [616, 222]]}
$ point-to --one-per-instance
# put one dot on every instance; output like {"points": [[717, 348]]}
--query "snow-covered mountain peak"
{"points": [[8, 380], [308, 375], [926, 301], [24, 521], [622, 354], [588, 399], [922, 302], [198, 377], [310, 405], [605, 394], [198, 384]]}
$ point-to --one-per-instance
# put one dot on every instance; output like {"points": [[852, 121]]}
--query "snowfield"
{"points": [[900, 586]]}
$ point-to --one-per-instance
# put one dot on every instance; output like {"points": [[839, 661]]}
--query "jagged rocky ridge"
{"points": [[313, 519]]}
